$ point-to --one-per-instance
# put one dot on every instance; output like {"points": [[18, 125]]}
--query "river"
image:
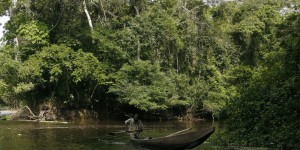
{"points": [[24, 135]]}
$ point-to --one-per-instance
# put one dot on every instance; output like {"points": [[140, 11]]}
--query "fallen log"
{"points": [[25, 113]]}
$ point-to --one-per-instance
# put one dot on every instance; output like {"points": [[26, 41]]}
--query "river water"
{"points": [[24, 135]]}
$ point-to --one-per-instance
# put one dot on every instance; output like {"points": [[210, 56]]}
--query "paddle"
{"points": [[119, 132], [124, 131], [179, 132]]}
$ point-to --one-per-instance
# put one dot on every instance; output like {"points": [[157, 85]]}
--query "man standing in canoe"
{"points": [[134, 126]]}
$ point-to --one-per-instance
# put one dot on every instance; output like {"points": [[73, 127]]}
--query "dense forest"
{"points": [[238, 62]]}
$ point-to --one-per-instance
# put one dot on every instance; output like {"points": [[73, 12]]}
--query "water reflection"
{"points": [[83, 136]]}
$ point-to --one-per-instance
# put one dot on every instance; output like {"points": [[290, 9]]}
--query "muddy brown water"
{"points": [[24, 135]]}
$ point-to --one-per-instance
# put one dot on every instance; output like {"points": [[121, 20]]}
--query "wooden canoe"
{"points": [[176, 141]]}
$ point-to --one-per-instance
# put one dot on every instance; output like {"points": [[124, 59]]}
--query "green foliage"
{"points": [[254, 30], [34, 32], [12, 26], [144, 86], [158, 36], [109, 50], [12, 85], [61, 69], [4, 6], [264, 112], [268, 105]]}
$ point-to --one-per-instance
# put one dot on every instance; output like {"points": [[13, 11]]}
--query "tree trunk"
{"points": [[88, 15], [137, 10], [138, 49], [177, 63]]}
